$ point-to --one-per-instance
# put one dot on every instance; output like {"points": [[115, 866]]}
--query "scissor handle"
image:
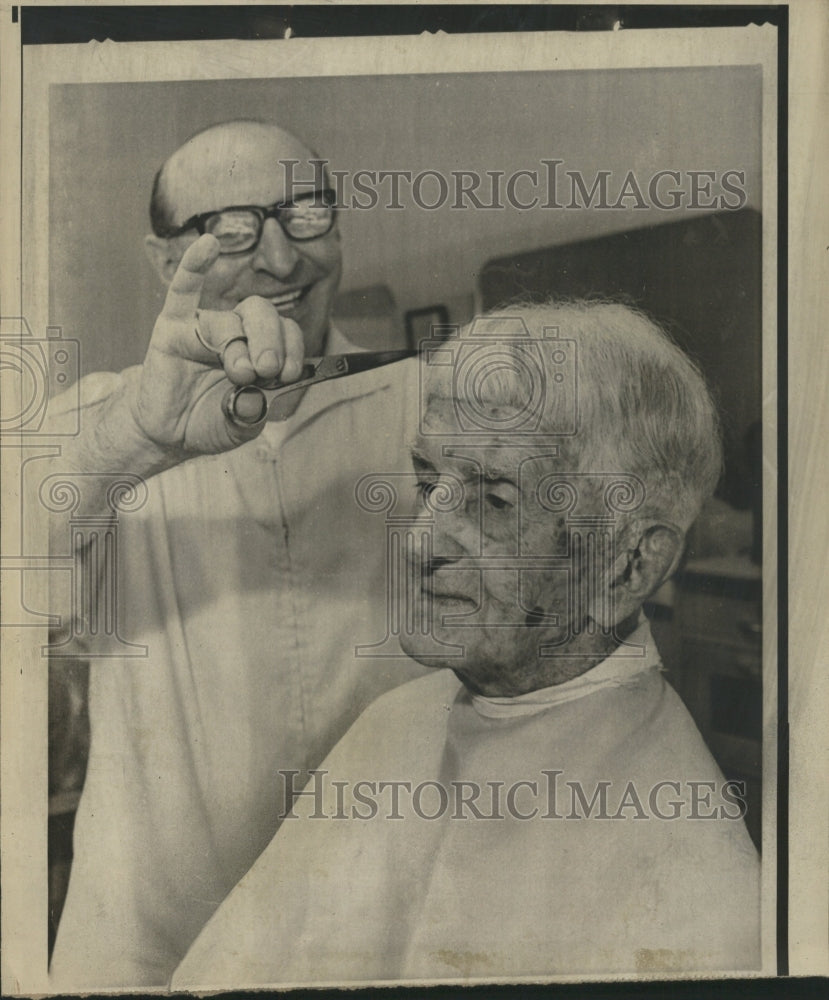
{"points": [[249, 393], [255, 410]]}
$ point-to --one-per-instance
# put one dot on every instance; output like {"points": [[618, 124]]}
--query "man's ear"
{"points": [[163, 255], [651, 555]]}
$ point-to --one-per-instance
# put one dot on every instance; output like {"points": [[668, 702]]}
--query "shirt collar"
{"points": [[635, 655]]}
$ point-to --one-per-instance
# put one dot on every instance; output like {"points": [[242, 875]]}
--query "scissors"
{"points": [[315, 370]]}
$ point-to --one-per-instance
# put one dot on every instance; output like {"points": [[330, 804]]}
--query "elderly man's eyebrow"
{"points": [[489, 473], [494, 474]]}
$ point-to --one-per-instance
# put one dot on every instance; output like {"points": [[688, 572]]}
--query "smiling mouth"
{"points": [[286, 301]]}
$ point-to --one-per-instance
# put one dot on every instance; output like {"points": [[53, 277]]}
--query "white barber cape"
{"points": [[563, 891], [250, 577]]}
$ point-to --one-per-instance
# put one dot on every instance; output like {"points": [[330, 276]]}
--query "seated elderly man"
{"points": [[543, 803]]}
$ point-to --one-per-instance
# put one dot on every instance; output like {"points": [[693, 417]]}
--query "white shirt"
{"points": [[619, 887], [251, 577]]}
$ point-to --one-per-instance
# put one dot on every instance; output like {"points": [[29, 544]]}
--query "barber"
{"points": [[249, 575]]}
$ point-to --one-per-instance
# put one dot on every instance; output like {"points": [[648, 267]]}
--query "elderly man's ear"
{"points": [[649, 557], [164, 256]]}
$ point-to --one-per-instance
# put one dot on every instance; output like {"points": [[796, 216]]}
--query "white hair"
{"points": [[643, 407]]}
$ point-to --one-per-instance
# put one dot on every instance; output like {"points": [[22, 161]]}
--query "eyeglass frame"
{"points": [[198, 222]]}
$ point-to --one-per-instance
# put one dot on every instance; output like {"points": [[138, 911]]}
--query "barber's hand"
{"points": [[176, 397]]}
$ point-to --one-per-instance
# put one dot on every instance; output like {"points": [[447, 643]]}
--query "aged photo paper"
{"points": [[213, 776]]}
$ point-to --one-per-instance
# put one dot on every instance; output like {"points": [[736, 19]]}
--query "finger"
{"points": [[236, 362], [294, 350], [185, 289], [209, 430], [215, 329], [202, 338], [263, 327], [245, 405]]}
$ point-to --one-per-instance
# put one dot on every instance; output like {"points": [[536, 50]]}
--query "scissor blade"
{"points": [[315, 370], [338, 365]]}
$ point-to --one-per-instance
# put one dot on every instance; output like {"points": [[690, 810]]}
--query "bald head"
{"points": [[234, 163]]}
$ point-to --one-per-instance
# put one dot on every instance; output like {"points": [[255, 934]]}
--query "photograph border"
{"points": [[37, 22]]}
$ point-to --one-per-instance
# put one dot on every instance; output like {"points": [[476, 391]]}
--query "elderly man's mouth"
{"points": [[447, 597]]}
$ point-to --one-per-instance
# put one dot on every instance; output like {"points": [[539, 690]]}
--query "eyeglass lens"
{"points": [[239, 229]]}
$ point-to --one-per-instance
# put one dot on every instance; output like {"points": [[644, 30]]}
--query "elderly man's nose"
{"points": [[432, 548], [275, 253], [449, 542]]}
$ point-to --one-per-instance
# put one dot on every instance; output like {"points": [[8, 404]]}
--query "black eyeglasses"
{"points": [[239, 227]]}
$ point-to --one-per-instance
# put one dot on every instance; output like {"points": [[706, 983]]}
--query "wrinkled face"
{"points": [[496, 583], [243, 165]]}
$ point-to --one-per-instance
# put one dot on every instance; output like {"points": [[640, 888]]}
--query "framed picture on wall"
{"points": [[428, 323]]}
